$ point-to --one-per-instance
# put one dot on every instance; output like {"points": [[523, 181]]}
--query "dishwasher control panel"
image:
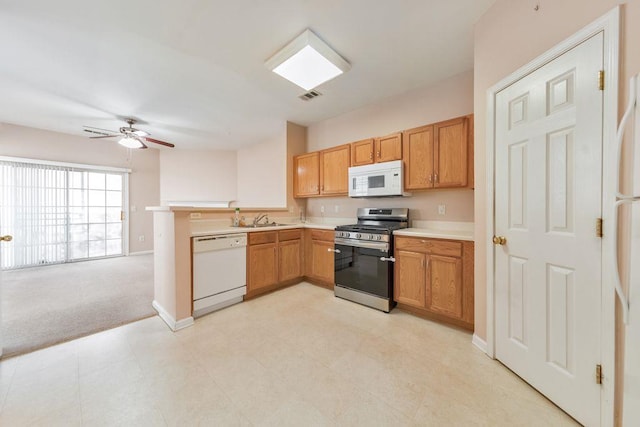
{"points": [[218, 242]]}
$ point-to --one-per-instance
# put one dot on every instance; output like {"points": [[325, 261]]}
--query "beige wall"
{"points": [[448, 99], [509, 36], [262, 173], [198, 176], [19, 141]]}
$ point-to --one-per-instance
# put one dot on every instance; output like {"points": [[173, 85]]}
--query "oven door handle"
{"points": [[390, 259], [383, 247]]}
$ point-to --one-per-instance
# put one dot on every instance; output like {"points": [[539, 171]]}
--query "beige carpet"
{"points": [[46, 305]]}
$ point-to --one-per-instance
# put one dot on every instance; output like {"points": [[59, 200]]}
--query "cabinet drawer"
{"points": [[262, 237], [285, 235], [326, 235], [431, 246]]}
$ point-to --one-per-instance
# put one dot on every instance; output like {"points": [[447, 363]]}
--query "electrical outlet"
{"points": [[141, 238], [442, 209], [336, 208], [322, 209], [195, 215]]}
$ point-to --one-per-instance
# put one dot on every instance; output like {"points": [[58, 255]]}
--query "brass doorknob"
{"points": [[499, 240], [6, 238]]}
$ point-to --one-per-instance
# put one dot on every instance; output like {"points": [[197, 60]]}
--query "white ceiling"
{"points": [[193, 71]]}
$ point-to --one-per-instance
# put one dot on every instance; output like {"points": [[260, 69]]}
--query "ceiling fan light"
{"points": [[131, 142]]}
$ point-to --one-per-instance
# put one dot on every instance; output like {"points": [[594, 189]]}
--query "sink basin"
{"points": [[270, 224]]}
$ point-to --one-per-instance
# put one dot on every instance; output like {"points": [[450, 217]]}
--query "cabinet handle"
{"points": [[431, 179], [378, 154], [370, 156], [390, 259], [436, 178], [422, 263], [322, 188], [333, 250]]}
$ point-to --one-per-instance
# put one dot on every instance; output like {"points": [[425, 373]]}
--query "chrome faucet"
{"points": [[259, 218]]}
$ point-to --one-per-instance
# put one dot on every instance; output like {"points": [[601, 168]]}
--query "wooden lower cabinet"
{"points": [[274, 259], [263, 266], [410, 278], [319, 245], [289, 260], [434, 278]]}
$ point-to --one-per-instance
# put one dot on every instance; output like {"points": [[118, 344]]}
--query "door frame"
{"points": [[610, 25]]}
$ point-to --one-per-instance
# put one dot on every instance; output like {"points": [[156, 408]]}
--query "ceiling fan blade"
{"points": [[157, 141], [103, 136], [100, 132], [93, 129]]}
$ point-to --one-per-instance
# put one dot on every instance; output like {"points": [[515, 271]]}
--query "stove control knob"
{"points": [[358, 235], [379, 237]]}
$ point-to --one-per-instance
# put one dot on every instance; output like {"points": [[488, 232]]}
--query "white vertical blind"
{"points": [[59, 214]]}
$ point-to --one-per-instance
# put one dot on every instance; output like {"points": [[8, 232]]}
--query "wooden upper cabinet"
{"points": [[388, 148], [334, 170], [418, 158], [439, 155], [306, 175], [362, 152], [378, 150], [450, 153]]}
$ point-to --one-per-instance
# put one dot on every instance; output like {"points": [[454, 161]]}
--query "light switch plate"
{"points": [[442, 209]]}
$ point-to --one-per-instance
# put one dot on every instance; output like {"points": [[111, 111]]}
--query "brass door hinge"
{"points": [[599, 375], [121, 215], [599, 227], [601, 79]]}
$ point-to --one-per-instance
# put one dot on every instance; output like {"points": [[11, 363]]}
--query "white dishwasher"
{"points": [[219, 271]]}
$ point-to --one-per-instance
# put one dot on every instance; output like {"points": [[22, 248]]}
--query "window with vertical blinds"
{"points": [[59, 213]]}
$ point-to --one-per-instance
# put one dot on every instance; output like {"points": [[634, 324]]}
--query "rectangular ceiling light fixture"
{"points": [[307, 61]]}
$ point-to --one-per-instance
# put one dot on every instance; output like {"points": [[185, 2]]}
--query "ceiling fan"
{"points": [[130, 136]]}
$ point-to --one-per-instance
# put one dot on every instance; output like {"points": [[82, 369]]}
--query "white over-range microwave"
{"points": [[377, 180]]}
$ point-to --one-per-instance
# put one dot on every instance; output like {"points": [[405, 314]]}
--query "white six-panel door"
{"points": [[548, 193]]}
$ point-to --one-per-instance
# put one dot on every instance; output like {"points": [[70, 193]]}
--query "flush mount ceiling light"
{"points": [[130, 141], [307, 61]]}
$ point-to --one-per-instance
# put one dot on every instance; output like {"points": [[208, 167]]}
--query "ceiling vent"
{"points": [[310, 95]]}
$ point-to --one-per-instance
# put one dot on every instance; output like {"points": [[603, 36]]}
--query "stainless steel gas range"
{"points": [[364, 257]]}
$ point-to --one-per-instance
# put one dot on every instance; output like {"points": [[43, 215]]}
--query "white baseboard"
{"points": [[141, 253], [169, 320], [480, 343]]}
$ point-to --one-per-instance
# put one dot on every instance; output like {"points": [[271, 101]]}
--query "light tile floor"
{"points": [[298, 357]]}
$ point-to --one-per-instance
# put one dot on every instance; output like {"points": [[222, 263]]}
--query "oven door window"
{"points": [[362, 270]]}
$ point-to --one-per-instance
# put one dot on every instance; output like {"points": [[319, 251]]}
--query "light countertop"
{"points": [[439, 230], [233, 230]]}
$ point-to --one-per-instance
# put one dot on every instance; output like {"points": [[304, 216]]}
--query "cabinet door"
{"points": [[362, 152], [306, 175], [418, 158], [289, 266], [322, 261], [410, 279], [334, 170], [389, 148], [444, 287], [450, 154], [263, 266]]}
